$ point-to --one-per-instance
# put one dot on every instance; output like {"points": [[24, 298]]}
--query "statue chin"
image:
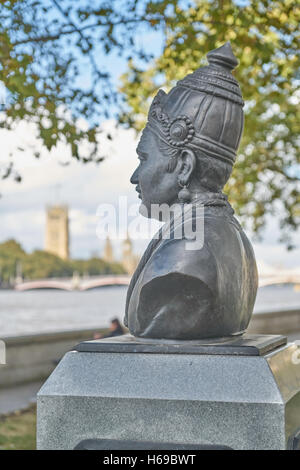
{"points": [[161, 212], [149, 214], [144, 211]]}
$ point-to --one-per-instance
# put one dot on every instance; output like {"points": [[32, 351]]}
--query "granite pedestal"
{"points": [[241, 393]]}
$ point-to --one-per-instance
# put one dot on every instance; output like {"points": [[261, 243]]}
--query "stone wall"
{"points": [[33, 358], [284, 322]]}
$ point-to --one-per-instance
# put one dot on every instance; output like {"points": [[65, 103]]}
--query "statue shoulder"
{"points": [[179, 256], [203, 257]]}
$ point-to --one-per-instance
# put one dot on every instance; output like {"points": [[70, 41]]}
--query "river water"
{"points": [[39, 311]]}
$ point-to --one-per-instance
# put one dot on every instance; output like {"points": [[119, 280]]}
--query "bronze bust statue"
{"points": [[186, 152]]}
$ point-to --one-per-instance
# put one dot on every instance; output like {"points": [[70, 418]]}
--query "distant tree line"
{"points": [[41, 264]]}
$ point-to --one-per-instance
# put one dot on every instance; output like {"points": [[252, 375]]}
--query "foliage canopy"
{"points": [[50, 67]]}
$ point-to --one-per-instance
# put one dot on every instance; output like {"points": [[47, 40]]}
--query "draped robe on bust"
{"points": [[180, 293]]}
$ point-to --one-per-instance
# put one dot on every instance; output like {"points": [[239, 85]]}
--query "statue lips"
{"points": [[138, 191]]}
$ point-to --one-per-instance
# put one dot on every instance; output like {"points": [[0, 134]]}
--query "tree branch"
{"points": [[53, 37]]}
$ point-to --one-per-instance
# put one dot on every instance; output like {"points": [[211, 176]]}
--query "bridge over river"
{"points": [[271, 277], [74, 283]]}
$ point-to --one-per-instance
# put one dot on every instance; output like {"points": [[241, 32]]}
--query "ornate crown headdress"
{"points": [[179, 131], [204, 110]]}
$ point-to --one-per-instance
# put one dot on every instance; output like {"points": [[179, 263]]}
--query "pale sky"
{"points": [[83, 188]]}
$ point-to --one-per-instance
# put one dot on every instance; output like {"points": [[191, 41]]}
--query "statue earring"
{"points": [[184, 195]]}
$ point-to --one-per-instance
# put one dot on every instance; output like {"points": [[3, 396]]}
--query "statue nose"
{"points": [[134, 178]]}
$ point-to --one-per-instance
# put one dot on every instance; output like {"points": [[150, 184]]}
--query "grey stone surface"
{"points": [[72, 419], [222, 400], [241, 345]]}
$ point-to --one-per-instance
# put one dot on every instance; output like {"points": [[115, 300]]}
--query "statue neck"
{"points": [[199, 194], [218, 199]]}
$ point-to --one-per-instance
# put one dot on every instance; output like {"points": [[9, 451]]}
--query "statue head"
{"points": [[192, 134]]}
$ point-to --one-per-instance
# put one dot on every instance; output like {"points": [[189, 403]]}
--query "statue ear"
{"points": [[187, 162]]}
